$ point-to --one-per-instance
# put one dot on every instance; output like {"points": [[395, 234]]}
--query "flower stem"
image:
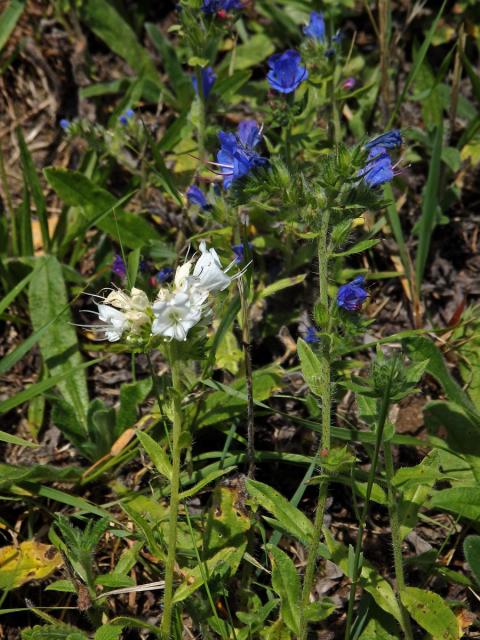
{"points": [[201, 115], [383, 413], [326, 400], [166, 623], [396, 539]]}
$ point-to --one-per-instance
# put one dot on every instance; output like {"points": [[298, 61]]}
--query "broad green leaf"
{"points": [[471, 549], [464, 501], [53, 632], [431, 613], [59, 346], [132, 394], [227, 521], [290, 518], [9, 18], [250, 53], [108, 632], [286, 584], [157, 454], [312, 367], [100, 208]]}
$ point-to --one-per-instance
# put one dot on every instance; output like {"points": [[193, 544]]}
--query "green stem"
{"points": [[361, 527], [166, 623], [201, 115], [326, 399], [396, 539]]}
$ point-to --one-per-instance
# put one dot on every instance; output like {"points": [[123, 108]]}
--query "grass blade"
{"points": [[9, 19], [428, 217]]}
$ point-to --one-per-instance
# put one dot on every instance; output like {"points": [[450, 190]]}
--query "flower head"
{"points": [[64, 123], [164, 274], [208, 78], [349, 83], [351, 296], [175, 314], [286, 71], [210, 7], [388, 140], [316, 27], [311, 337], [115, 321], [237, 157], [208, 273], [125, 117], [379, 168], [239, 251], [118, 266], [196, 196]]}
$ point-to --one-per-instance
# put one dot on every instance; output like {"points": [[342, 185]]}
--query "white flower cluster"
{"points": [[176, 309]]}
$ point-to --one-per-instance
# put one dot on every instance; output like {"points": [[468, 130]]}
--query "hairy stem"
{"points": [[384, 407], [396, 539], [326, 399], [166, 623], [247, 355]]}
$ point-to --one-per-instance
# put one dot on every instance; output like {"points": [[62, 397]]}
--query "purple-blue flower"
{"points": [[125, 117], [311, 337], [379, 168], [239, 251], [196, 196], [349, 83], [316, 27], [164, 274], [214, 6], [388, 140], [286, 71], [237, 157], [64, 123], [208, 80], [351, 296], [118, 266]]}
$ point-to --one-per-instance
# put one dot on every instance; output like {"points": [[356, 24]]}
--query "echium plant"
{"points": [[321, 201], [178, 316]]}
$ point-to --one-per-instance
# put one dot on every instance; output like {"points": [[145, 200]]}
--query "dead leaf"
{"points": [[30, 560]]}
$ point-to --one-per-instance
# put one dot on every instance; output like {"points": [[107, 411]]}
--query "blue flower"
{"points": [[125, 117], [311, 337], [239, 251], [237, 157], [214, 6], [316, 27], [388, 140], [64, 123], [286, 71], [164, 274], [208, 80], [379, 168], [118, 266], [196, 196], [351, 296]]}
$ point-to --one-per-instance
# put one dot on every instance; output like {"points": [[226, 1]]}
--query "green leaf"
{"points": [[280, 285], [108, 24], [250, 53], [100, 208], [471, 549], [286, 584], [131, 395], [291, 519], [108, 632], [53, 632], [209, 478], [357, 248], [195, 577], [312, 367], [59, 346], [429, 215], [8, 437], [9, 19], [156, 454], [464, 501], [431, 613]]}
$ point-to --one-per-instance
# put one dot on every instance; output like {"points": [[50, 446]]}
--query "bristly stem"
{"points": [[326, 400], [247, 355], [396, 539], [201, 115], [382, 418], [165, 627]]}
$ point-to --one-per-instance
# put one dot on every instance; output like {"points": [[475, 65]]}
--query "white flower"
{"points": [[116, 322], [175, 315], [208, 272]]}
